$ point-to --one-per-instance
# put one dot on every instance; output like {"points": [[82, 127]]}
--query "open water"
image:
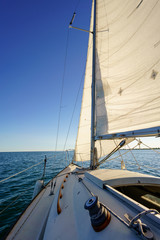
{"points": [[16, 192]]}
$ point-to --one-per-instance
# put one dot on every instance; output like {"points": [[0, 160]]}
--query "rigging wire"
{"points": [[62, 87], [130, 150], [111, 153], [133, 156], [145, 166], [147, 146], [121, 154], [77, 5], [122, 161], [74, 110]]}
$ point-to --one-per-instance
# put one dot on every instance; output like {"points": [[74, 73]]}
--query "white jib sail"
{"points": [[82, 148]]}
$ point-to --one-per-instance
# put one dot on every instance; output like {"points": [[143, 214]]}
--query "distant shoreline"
{"points": [[71, 150]]}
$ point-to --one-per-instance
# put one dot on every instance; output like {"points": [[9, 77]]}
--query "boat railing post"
{"points": [[45, 161], [66, 157]]}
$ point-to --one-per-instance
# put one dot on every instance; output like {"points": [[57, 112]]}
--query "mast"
{"points": [[92, 162]]}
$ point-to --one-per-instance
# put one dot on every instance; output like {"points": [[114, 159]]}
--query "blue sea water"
{"points": [[16, 193]]}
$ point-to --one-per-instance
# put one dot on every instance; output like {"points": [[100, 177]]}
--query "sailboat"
{"points": [[120, 102]]}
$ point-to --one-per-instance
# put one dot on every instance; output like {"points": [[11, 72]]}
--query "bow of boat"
{"points": [[59, 211]]}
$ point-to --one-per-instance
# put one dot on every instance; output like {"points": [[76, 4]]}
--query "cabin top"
{"points": [[117, 178]]}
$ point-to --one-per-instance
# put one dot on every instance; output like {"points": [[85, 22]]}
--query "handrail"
{"points": [[59, 210]]}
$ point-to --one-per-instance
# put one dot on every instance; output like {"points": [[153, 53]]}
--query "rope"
{"points": [[139, 226], [139, 166], [122, 161], [146, 166], [121, 154], [124, 153], [139, 215], [21, 171], [130, 150], [81, 180], [147, 146], [114, 214], [111, 153], [134, 157]]}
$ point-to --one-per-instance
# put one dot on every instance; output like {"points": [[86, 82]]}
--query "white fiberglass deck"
{"points": [[120, 177], [42, 221]]}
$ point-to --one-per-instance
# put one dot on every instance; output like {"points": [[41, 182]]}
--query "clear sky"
{"points": [[33, 37]]}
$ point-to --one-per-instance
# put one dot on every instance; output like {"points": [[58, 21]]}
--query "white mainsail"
{"points": [[127, 76], [127, 73]]}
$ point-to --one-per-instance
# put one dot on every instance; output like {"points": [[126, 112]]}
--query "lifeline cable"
{"points": [[21, 171], [14, 200]]}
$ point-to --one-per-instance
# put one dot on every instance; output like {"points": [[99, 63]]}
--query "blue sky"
{"points": [[33, 36]]}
